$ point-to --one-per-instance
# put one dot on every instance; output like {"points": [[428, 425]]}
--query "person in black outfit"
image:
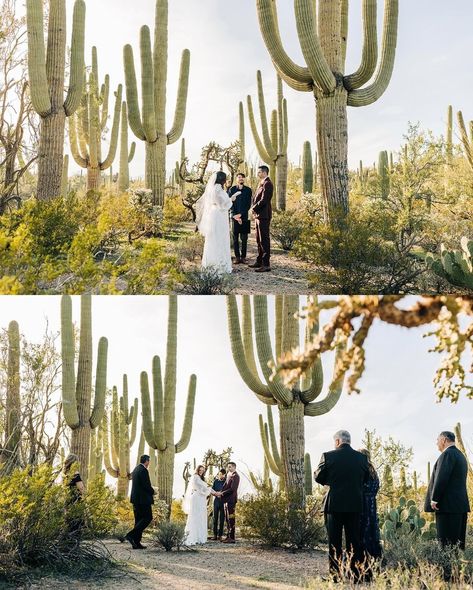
{"points": [[141, 497], [241, 224], [345, 471], [262, 212], [370, 536], [75, 491], [219, 508], [447, 494]]}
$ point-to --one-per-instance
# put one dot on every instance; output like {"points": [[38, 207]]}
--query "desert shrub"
{"points": [[100, 507], [206, 281], [190, 247], [174, 214], [169, 535], [287, 228], [177, 513], [268, 518]]}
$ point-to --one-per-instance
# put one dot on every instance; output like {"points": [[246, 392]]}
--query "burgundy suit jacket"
{"points": [[230, 489], [262, 208]]}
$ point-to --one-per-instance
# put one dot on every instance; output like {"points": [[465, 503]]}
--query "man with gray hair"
{"points": [[344, 471], [447, 494]]}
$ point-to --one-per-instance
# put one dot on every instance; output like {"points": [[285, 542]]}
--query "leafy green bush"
{"points": [[169, 535], [206, 281], [286, 228]]}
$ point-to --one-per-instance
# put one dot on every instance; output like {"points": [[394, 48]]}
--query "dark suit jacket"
{"points": [[262, 208], [242, 206], [230, 489], [142, 491], [447, 485], [345, 471]]}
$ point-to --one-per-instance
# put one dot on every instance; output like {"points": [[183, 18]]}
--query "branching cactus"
{"points": [[46, 73], [455, 266], [272, 455], [88, 125], [323, 40], [149, 124], [159, 415], [272, 143], [466, 138], [10, 454], [307, 168], [293, 403], [126, 153], [119, 438], [77, 388], [383, 174]]}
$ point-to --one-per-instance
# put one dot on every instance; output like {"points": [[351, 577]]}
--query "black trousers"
{"points": [[219, 518], [336, 523], [451, 529], [230, 508], [143, 516], [263, 241], [238, 236]]}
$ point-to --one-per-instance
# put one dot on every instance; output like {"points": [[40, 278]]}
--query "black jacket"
{"points": [[345, 471], [447, 485], [242, 204], [142, 491]]}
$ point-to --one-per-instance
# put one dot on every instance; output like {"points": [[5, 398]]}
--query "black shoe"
{"points": [[254, 265], [139, 546], [132, 541], [263, 269]]}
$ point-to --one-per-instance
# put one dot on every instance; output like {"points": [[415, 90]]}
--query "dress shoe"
{"points": [[211, 538], [237, 261], [263, 269], [140, 546], [220, 538], [243, 261], [132, 541], [254, 265], [231, 541]]}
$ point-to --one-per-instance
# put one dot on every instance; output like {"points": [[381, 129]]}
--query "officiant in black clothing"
{"points": [[241, 225], [141, 497]]}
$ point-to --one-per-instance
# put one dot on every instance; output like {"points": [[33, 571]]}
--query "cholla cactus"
{"points": [[142, 201], [159, 416], [149, 125], [89, 124], [455, 266], [46, 81], [272, 146], [323, 40], [126, 153], [293, 403], [77, 391], [10, 454]]}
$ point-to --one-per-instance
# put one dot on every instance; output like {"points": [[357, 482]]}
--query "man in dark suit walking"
{"points": [[241, 225], [345, 471], [447, 494], [262, 211], [141, 497]]}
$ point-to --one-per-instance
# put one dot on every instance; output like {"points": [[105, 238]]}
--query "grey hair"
{"points": [[450, 436], [343, 436]]}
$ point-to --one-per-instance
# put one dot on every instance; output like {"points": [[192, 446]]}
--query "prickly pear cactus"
{"points": [[403, 520]]}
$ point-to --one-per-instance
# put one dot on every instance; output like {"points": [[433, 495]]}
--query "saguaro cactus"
{"points": [[150, 124], [46, 79], [88, 125], [308, 475], [449, 135], [126, 153], [159, 417], [466, 138], [118, 438], [455, 266], [462, 447], [180, 181], [241, 136], [272, 146], [77, 390], [293, 403], [10, 454], [383, 174], [323, 40], [307, 168]]}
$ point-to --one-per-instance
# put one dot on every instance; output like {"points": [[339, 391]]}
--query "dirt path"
{"points": [[214, 566]]}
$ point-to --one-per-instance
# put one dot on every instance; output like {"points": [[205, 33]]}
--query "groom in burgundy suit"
{"points": [[229, 495], [262, 212]]}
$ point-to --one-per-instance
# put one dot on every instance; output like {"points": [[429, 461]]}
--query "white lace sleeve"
{"points": [[222, 200], [200, 487]]}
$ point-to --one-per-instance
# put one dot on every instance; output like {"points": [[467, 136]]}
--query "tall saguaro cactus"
{"points": [[77, 388], [126, 153], [323, 40], [46, 69], [119, 439], [10, 454], [88, 125], [293, 403], [159, 416], [149, 125], [272, 144], [383, 174], [307, 168]]}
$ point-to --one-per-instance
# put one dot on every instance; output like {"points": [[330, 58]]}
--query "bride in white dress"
{"points": [[195, 506], [213, 223]]}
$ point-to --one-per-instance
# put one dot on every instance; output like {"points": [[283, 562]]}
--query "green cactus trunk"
{"points": [[50, 156], [10, 458], [307, 169], [281, 181], [93, 178], [308, 475], [291, 425]]}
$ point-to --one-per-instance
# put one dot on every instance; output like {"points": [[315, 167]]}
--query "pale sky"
{"points": [[397, 394], [432, 69]]}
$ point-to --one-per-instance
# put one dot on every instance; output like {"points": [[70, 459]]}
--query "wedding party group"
{"points": [[212, 219]]}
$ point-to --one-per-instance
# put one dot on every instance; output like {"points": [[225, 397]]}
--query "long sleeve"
{"points": [[321, 473], [145, 481], [200, 487], [231, 486], [222, 200], [444, 469], [264, 197]]}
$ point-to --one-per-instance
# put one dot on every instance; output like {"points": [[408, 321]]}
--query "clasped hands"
{"points": [[217, 494]]}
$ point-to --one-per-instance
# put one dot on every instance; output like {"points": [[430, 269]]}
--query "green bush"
{"points": [[169, 535], [286, 228], [206, 281], [190, 247]]}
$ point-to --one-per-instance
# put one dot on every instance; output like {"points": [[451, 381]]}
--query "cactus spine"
{"points": [[119, 440], [159, 418], [10, 454], [126, 154], [293, 403], [455, 266], [88, 125], [307, 168], [77, 390], [323, 40], [272, 146], [46, 69], [383, 174], [149, 125]]}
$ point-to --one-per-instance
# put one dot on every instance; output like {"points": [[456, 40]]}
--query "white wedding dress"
{"points": [[195, 505], [213, 223]]}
